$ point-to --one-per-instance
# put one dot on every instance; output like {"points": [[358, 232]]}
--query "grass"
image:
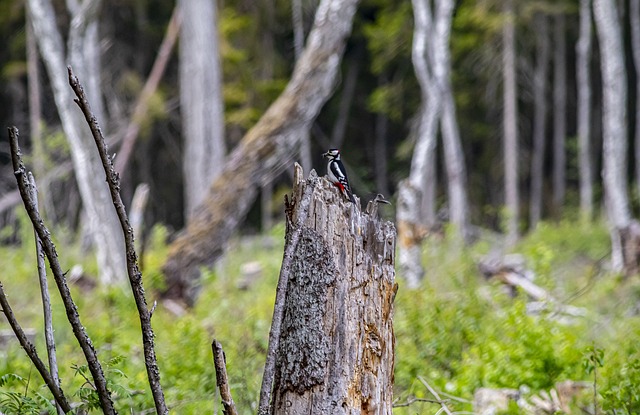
{"points": [[458, 331]]}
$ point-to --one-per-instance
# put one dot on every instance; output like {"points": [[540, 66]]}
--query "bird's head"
{"points": [[333, 154]]}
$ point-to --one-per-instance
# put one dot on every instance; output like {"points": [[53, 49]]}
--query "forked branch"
{"points": [[135, 276]]}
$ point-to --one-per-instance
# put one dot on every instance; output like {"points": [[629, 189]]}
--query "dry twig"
{"points": [[46, 299], [229, 407], [135, 277], [50, 250], [444, 406]]}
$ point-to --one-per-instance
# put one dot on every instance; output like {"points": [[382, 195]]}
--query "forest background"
{"points": [[452, 327]]}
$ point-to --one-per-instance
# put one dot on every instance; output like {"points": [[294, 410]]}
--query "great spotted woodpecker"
{"points": [[337, 173]]}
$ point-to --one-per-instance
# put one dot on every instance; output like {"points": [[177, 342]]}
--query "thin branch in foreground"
{"points": [[46, 299], [410, 401], [281, 290], [444, 406], [30, 349], [50, 250], [135, 276], [229, 407]]}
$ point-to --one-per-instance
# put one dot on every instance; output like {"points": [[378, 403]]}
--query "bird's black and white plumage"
{"points": [[337, 173]]}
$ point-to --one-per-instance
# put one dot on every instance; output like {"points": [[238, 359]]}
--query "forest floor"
{"points": [[458, 332]]}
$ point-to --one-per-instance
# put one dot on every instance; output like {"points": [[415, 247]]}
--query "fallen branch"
{"points": [[135, 277], [46, 299], [229, 407], [30, 349], [510, 271], [49, 248]]}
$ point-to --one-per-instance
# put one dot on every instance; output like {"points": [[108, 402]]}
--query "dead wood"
{"points": [[335, 346], [135, 276], [49, 248]]}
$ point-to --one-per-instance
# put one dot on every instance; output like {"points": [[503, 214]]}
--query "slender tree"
{"points": [[559, 112], [583, 76], [614, 84], [201, 102], [540, 76], [510, 123], [634, 22]]}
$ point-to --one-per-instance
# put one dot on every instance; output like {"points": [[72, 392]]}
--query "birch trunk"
{"points": [[454, 156], [614, 121], [510, 124], [336, 346], [583, 75], [201, 102], [539, 118], [416, 195], [82, 55]]}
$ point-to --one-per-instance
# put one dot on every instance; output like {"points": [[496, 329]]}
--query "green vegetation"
{"points": [[458, 332]]}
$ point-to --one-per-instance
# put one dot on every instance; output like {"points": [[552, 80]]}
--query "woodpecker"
{"points": [[337, 173]]}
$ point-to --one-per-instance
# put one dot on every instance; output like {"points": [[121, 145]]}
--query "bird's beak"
{"points": [[325, 154]]}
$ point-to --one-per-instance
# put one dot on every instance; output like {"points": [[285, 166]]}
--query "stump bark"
{"points": [[336, 346]]}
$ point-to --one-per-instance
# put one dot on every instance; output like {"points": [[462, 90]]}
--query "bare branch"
{"points": [[444, 406], [135, 277], [281, 290], [50, 250], [46, 299], [30, 349], [229, 407]]}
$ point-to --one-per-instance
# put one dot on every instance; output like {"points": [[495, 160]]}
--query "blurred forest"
{"points": [[546, 109], [370, 115]]}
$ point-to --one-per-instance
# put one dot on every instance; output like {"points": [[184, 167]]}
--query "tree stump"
{"points": [[336, 347]]}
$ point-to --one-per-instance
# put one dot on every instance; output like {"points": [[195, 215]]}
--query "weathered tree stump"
{"points": [[335, 352]]}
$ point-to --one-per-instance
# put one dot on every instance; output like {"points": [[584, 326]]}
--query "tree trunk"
{"points": [[201, 102], [614, 121], [416, 195], [82, 53], [539, 118], [510, 124], [336, 346], [634, 22], [263, 152], [454, 156], [559, 113], [583, 75]]}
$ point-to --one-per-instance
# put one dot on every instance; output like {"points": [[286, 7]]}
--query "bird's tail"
{"points": [[350, 195]]}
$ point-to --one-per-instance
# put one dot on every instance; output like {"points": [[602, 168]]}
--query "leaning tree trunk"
{"points": [[335, 353], [263, 152]]}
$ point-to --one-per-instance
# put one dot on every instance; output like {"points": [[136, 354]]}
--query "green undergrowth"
{"points": [[457, 332]]}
